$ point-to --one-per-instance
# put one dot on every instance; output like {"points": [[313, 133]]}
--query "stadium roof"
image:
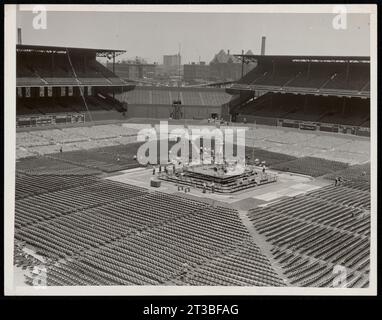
{"points": [[364, 59], [56, 49]]}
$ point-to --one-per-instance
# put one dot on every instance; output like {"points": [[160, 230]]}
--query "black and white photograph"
{"points": [[190, 149]]}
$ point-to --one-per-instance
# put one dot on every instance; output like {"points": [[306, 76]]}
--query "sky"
{"points": [[200, 35]]}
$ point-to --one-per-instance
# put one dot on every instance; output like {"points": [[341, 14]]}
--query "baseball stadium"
{"points": [[88, 212]]}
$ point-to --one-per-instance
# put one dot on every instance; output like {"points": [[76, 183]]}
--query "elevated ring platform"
{"points": [[218, 178]]}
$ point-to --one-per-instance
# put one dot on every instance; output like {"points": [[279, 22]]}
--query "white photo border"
{"points": [[10, 150]]}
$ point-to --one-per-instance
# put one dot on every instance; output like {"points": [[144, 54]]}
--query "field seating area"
{"points": [[41, 142], [110, 158], [99, 132], [111, 233], [94, 157], [305, 140], [29, 185], [160, 253], [49, 136], [295, 143], [106, 159], [102, 232], [252, 153], [243, 266], [360, 172], [356, 177], [303, 272], [29, 139], [311, 166], [313, 233], [271, 158], [41, 207], [47, 166], [345, 195]]}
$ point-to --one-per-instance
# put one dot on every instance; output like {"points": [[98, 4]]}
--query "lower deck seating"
{"points": [[51, 105], [331, 110]]}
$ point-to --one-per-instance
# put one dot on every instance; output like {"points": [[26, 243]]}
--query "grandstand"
{"points": [[59, 85], [65, 66], [314, 93]]}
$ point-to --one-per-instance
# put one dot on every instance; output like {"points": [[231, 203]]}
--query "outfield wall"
{"points": [[164, 111], [305, 125]]}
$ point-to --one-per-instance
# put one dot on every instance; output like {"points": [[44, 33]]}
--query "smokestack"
{"points": [[19, 40], [263, 45]]}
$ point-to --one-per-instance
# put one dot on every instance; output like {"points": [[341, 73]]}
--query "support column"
{"points": [[113, 70], [305, 102], [52, 64], [347, 72], [242, 63]]}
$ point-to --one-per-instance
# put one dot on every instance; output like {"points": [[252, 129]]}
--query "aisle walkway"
{"points": [[263, 245]]}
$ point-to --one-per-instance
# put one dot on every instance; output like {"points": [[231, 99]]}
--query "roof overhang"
{"points": [[55, 49], [237, 88], [288, 58]]}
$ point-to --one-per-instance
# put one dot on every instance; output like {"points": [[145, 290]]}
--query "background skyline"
{"points": [[151, 35]]}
